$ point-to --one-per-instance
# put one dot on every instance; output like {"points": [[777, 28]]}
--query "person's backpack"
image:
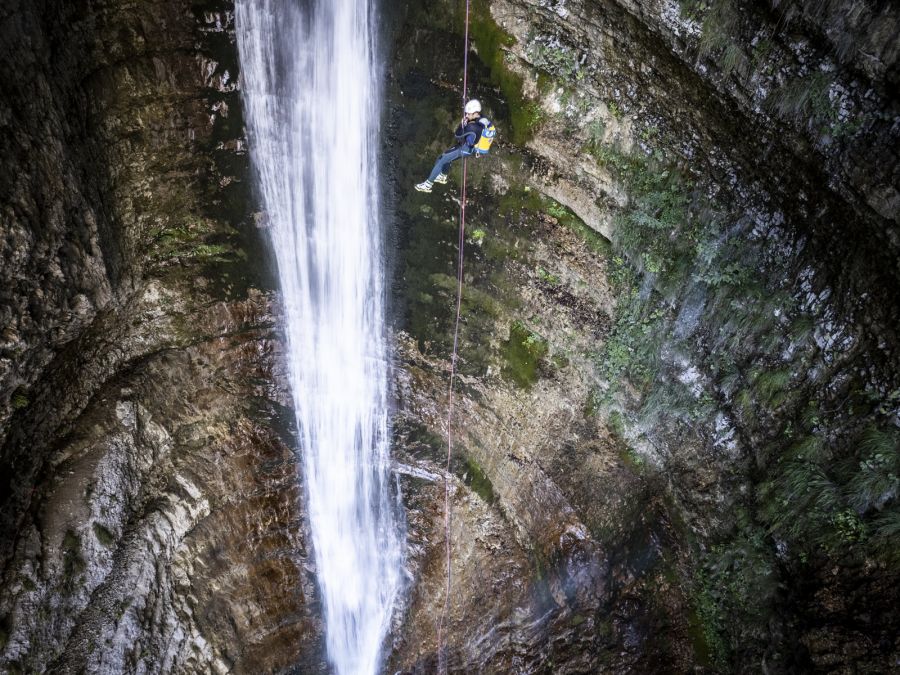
{"points": [[483, 146]]}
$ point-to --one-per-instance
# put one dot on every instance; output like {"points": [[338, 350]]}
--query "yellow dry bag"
{"points": [[483, 146]]}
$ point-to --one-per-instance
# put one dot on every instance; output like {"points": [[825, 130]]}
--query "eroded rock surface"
{"points": [[710, 391], [151, 514]]}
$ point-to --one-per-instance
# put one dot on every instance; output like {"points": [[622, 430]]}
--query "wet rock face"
{"points": [[150, 502], [734, 95], [562, 555], [526, 582], [704, 396], [60, 260], [167, 532]]}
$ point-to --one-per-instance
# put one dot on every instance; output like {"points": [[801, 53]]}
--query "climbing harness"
{"points": [[442, 657]]}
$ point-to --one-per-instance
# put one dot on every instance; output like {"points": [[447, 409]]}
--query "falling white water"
{"points": [[311, 94]]}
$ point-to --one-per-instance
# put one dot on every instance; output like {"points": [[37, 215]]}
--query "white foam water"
{"points": [[311, 90]]}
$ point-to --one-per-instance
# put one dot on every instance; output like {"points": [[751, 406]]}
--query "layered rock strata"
{"points": [[151, 507], [739, 382]]}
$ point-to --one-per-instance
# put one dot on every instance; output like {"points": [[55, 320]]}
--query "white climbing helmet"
{"points": [[473, 106]]}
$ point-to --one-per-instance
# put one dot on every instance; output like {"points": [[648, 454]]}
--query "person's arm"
{"points": [[477, 128], [467, 134], [460, 135]]}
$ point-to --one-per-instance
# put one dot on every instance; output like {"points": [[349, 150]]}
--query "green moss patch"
{"points": [[594, 240], [19, 399], [491, 40], [478, 481], [522, 354], [104, 536], [631, 458]]}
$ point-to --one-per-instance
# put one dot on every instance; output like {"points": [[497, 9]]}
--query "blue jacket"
{"points": [[469, 134]]}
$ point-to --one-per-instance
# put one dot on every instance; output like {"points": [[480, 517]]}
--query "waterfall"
{"points": [[311, 91]]}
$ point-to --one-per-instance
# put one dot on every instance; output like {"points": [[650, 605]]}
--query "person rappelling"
{"points": [[474, 136]]}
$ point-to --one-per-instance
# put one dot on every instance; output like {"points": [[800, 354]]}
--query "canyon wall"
{"points": [[677, 407], [679, 401], [150, 504]]}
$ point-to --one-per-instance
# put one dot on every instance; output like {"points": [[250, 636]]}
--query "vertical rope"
{"points": [[442, 656]]}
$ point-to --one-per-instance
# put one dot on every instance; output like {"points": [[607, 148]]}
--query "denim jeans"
{"points": [[443, 163]]}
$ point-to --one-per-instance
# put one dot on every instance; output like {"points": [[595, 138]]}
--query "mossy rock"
{"points": [[522, 354], [19, 400], [104, 536], [478, 481], [491, 40]]}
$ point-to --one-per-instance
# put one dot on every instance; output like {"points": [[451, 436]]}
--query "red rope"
{"points": [[442, 657]]}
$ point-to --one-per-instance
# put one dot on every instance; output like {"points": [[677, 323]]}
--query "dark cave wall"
{"points": [[63, 260]]}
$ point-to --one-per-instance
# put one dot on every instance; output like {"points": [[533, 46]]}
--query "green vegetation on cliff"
{"points": [[490, 41], [522, 353], [725, 366]]}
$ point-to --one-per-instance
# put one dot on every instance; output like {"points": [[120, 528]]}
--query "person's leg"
{"points": [[442, 165], [457, 153], [449, 156]]}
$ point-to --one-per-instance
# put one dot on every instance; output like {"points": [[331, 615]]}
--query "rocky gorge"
{"points": [[678, 396]]}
